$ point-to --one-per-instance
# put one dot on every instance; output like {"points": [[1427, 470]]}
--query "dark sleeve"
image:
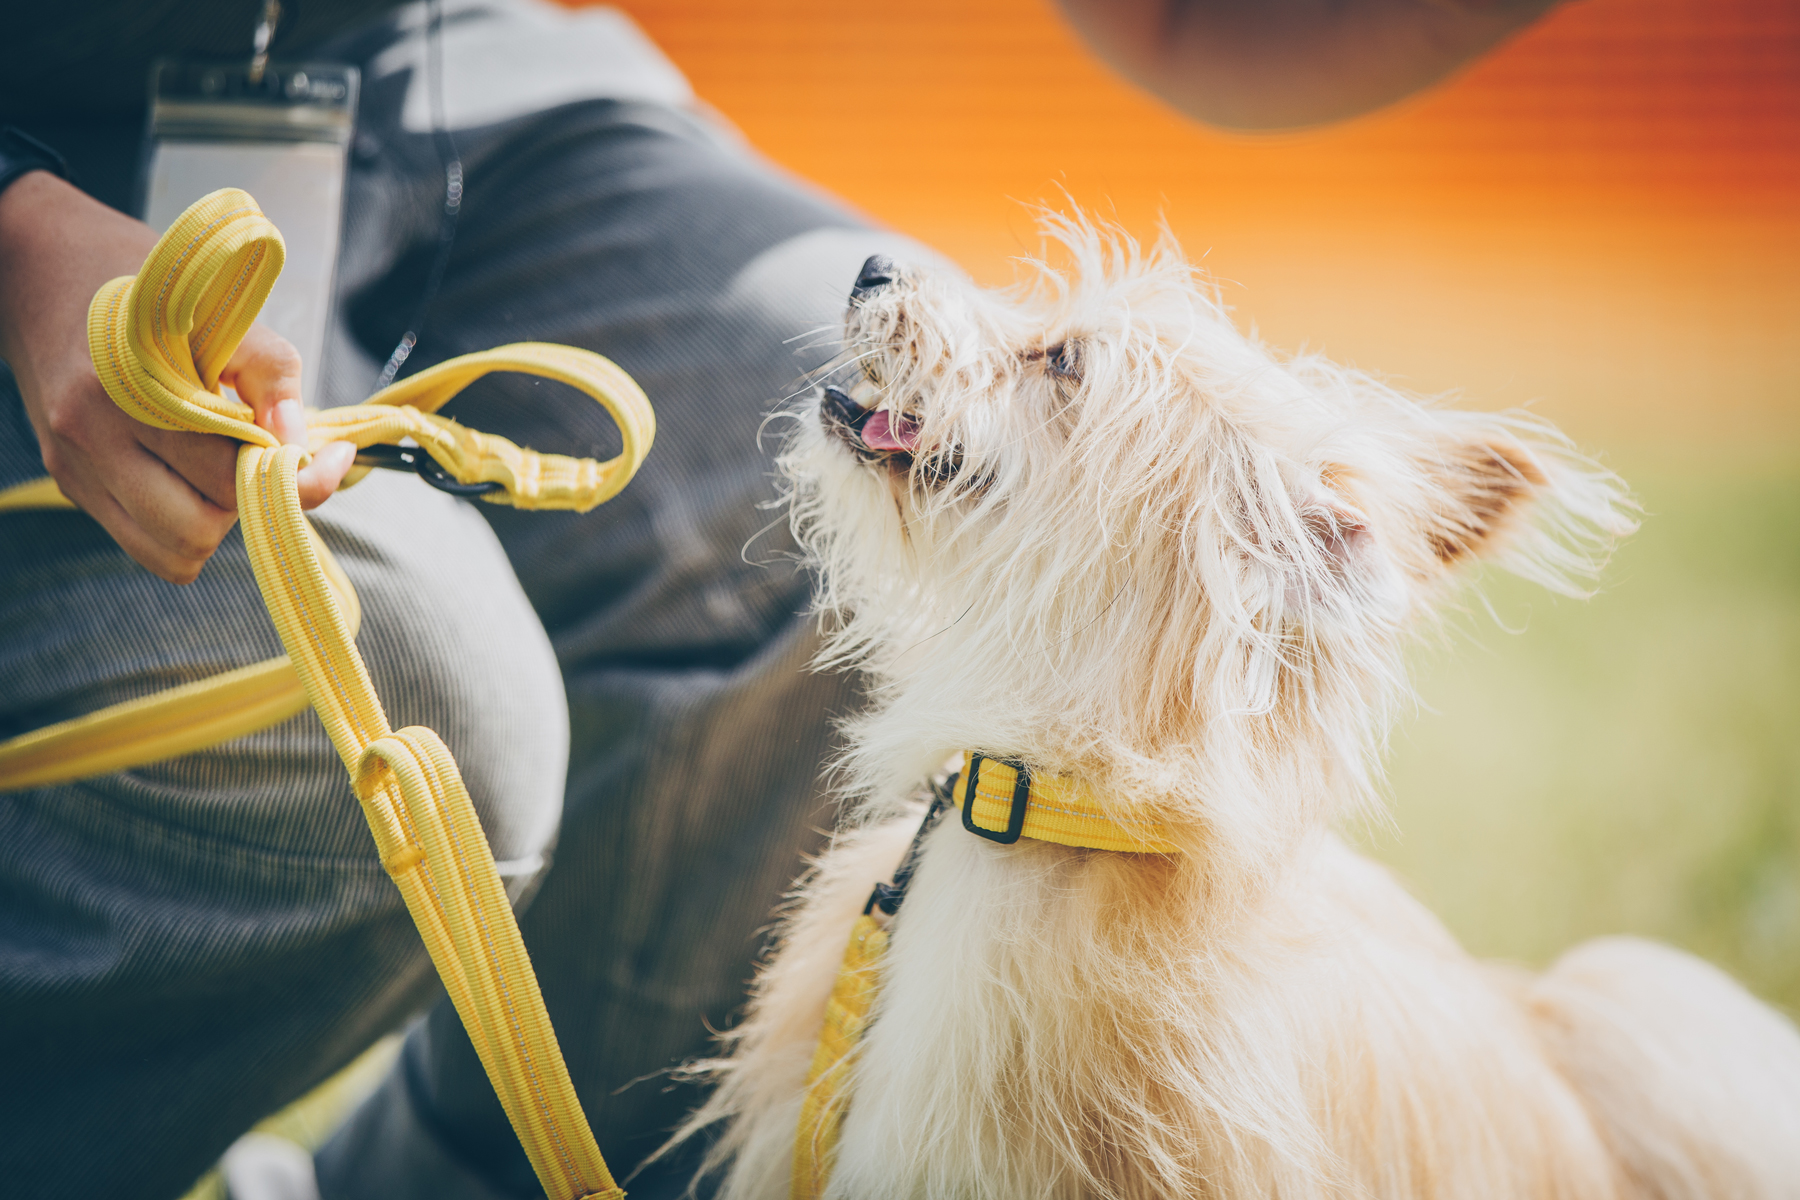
{"points": [[20, 153]]}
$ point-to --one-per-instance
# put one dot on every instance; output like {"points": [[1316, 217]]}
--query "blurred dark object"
{"points": [[1286, 64]]}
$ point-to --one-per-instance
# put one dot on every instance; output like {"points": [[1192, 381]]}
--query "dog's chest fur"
{"points": [[1067, 1023]]}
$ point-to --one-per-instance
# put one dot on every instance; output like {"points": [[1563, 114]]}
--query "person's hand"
{"points": [[168, 498]]}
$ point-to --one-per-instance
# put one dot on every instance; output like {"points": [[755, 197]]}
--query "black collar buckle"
{"points": [[1015, 819]]}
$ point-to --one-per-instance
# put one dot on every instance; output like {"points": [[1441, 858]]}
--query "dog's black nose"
{"points": [[877, 272], [837, 408]]}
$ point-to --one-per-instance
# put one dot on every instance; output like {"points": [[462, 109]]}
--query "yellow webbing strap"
{"points": [[159, 342], [1057, 809], [427, 835], [34, 493], [825, 1101], [170, 723]]}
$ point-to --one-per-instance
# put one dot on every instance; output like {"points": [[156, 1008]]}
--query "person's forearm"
{"points": [[1282, 64]]}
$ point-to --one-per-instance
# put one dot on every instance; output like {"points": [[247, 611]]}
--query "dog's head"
{"points": [[1093, 525]]}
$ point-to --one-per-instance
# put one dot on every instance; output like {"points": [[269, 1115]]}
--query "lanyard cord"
{"points": [[451, 162]]}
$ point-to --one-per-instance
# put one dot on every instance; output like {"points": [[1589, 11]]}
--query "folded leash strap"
{"points": [[159, 342]]}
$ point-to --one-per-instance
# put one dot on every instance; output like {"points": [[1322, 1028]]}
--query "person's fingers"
{"points": [[206, 461], [113, 467], [265, 373], [320, 478], [146, 550], [170, 510], [151, 512]]}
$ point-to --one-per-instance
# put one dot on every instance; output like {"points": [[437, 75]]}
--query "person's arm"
{"points": [[1282, 64], [168, 498]]}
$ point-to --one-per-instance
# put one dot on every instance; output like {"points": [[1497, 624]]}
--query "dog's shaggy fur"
{"points": [[1129, 545]]}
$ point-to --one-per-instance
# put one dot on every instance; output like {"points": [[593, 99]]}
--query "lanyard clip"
{"points": [[259, 42]]}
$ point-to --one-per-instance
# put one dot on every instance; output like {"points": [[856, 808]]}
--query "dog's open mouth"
{"points": [[872, 433]]}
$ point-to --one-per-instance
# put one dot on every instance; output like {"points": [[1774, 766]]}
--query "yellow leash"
{"points": [[166, 724], [159, 342], [1002, 802]]}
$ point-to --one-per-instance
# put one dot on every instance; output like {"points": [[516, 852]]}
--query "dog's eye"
{"points": [[1063, 360]]}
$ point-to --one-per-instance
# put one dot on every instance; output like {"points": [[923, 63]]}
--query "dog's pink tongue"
{"points": [[882, 432]]}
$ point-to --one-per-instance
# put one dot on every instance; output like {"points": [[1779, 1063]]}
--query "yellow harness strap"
{"points": [[159, 342], [827, 1093], [1001, 801]]}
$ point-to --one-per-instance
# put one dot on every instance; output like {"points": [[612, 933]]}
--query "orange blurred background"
{"points": [[1601, 219]]}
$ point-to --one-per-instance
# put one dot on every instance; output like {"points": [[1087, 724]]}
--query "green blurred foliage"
{"points": [[1627, 764]]}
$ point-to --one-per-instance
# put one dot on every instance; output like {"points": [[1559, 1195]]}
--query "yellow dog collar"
{"points": [[1002, 801]]}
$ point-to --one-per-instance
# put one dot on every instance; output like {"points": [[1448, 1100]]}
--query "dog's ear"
{"points": [[1314, 546], [1480, 488], [1338, 530], [1340, 569]]}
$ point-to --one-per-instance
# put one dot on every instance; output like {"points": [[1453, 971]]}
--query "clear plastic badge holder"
{"points": [[283, 135]]}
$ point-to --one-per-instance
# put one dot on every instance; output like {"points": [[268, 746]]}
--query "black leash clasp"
{"points": [[414, 458], [887, 896]]}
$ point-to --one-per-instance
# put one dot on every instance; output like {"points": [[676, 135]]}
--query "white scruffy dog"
{"points": [[1095, 528]]}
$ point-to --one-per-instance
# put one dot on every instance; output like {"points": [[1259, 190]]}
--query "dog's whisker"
{"points": [[744, 551]]}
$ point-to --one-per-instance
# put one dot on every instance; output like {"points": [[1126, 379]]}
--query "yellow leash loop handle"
{"points": [[529, 479], [160, 341]]}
